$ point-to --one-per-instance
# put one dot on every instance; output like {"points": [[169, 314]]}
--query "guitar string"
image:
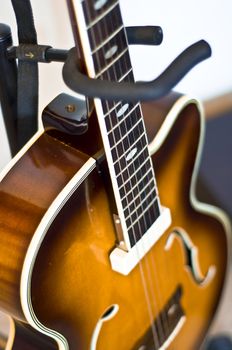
{"points": [[155, 268], [151, 316], [144, 279], [136, 111], [162, 323], [163, 318], [150, 257], [155, 337], [147, 265]]}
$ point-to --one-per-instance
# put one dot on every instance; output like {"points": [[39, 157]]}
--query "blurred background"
{"points": [[183, 23]]}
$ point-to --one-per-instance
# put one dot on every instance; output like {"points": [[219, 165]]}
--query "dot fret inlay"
{"points": [[99, 4], [121, 123]]}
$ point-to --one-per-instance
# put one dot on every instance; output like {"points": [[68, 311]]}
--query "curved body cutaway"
{"points": [[55, 208]]}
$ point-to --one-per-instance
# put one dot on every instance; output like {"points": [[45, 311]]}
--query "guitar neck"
{"points": [[105, 50]]}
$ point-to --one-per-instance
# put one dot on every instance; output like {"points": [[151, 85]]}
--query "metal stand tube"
{"points": [[8, 87]]}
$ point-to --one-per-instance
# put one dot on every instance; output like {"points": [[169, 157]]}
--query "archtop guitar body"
{"points": [[57, 234], [103, 243]]}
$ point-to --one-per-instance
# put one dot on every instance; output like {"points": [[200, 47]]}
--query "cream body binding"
{"points": [[79, 177]]}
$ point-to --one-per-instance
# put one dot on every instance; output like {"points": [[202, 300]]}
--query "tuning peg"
{"points": [[146, 35]]}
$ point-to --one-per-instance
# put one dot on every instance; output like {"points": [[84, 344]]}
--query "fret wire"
{"points": [[142, 179], [138, 216], [127, 202], [90, 34], [143, 174], [122, 76], [133, 128], [91, 13], [117, 71], [125, 75], [118, 121], [141, 203], [131, 68], [132, 162], [112, 76], [122, 158], [134, 179], [125, 136], [124, 118], [107, 40], [110, 119], [112, 109], [137, 155], [107, 105], [131, 170], [136, 202], [136, 173], [111, 63], [106, 28], [142, 214], [118, 79], [120, 173], [141, 224], [120, 44], [147, 198], [142, 165], [127, 166], [125, 121], [153, 179], [127, 141], [91, 24], [144, 191], [134, 198]]}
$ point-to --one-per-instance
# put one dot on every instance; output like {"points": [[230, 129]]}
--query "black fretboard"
{"points": [[123, 130]]}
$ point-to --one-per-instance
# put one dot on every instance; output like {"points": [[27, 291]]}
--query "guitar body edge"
{"points": [[156, 143], [159, 147], [22, 336], [27, 210]]}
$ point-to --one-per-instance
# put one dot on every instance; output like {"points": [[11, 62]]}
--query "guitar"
{"points": [[106, 254]]}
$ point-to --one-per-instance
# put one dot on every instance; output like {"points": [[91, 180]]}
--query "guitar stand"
{"points": [[140, 91], [8, 87], [80, 83], [130, 92]]}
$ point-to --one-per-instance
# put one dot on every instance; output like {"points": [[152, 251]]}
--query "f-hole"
{"points": [[192, 258], [108, 314]]}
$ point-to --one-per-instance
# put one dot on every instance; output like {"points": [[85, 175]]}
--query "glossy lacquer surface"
{"points": [[25, 194], [73, 284]]}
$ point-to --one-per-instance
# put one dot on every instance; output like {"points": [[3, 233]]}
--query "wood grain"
{"points": [[72, 283], [25, 194]]}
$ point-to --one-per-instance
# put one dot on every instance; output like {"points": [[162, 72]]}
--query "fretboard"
{"points": [[122, 127]]}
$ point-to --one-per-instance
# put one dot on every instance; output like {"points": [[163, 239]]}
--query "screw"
{"points": [[70, 108]]}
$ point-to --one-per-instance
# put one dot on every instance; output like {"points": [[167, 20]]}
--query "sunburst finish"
{"points": [[72, 280]]}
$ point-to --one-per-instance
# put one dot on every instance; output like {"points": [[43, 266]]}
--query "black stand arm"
{"points": [[8, 87], [140, 91]]}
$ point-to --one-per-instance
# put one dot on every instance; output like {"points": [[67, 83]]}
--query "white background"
{"points": [[183, 23]]}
